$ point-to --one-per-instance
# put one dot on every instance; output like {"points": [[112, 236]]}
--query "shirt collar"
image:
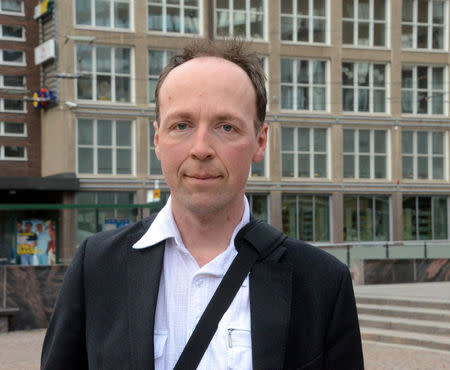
{"points": [[164, 227]]}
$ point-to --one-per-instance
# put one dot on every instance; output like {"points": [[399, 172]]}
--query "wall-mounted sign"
{"points": [[42, 97], [45, 7], [44, 52]]}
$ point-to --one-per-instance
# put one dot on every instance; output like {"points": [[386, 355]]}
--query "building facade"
{"points": [[358, 111]]}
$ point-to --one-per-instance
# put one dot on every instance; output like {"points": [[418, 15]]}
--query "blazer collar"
{"points": [[270, 309]]}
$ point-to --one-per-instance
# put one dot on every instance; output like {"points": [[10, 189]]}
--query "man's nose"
{"points": [[202, 147]]}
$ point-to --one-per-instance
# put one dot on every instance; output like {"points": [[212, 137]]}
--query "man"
{"points": [[132, 297], [26, 244]]}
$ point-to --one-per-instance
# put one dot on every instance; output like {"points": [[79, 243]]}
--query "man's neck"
{"points": [[206, 236]]}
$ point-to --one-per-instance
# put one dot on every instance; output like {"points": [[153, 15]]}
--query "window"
{"points": [[155, 164], [364, 87], [12, 105], [423, 24], [103, 13], [157, 60], [303, 84], [240, 18], [106, 73], [423, 155], [13, 153], [13, 7], [13, 129], [11, 32], [304, 21], [179, 16], [365, 154], [92, 220], [425, 218], [304, 152], [105, 147], [423, 89], [12, 57], [12, 81], [366, 218], [259, 206], [306, 217], [364, 22]]}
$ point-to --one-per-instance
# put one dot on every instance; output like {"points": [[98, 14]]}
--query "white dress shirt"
{"points": [[185, 290]]}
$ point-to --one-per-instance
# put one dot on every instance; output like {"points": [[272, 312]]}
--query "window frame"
{"points": [[10, 38], [372, 154], [416, 90], [4, 133], [112, 17], [371, 21], [310, 85], [373, 198], [429, 25], [112, 74], [19, 64], [167, 54], [2, 106], [182, 8], [429, 155], [371, 88], [6, 12], [311, 153], [21, 159], [114, 147], [251, 194], [3, 86], [248, 13]]}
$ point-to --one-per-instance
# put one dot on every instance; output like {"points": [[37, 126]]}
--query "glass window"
{"points": [[304, 21], [259, 206], [11, 6], [12, 105], [365, 154], [175, 16], [103, 13], [303, 84], [366, 218], [306, 217], [93, 220], [425, 218], [424, 24], [157, 60], [155, 164], [12, 32], [364, 23], [12, 129], [364, 87], [423, 155], [423, 89], [106, 73], [12, 57], [240, 18], [13, 152], [12, 81], [105, 147], [304, 152]]}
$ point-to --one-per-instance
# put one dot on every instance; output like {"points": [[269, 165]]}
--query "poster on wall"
{"points": [[36, 243]]}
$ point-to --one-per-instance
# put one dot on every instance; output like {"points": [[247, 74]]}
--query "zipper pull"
{"points": [[230, 341]]}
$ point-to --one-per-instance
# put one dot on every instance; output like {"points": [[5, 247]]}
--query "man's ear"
{"points": [[156, 138], [261, 143]]}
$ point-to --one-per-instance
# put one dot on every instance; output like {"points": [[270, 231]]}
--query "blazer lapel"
{"points": [[143, 274], [270, 307]]}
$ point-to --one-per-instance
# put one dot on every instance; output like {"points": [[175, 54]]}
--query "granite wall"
{"points": [[397, 271], [33, 290]]}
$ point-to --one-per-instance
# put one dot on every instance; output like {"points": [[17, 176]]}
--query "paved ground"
{"points": [[21, 350]]}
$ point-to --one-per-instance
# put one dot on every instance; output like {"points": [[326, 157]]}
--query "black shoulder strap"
{"points": [[254, 241]]}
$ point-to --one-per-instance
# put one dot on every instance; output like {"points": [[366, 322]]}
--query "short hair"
{"points": [[234, 51]]}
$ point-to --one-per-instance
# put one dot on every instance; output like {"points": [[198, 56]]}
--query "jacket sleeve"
{"points": [[343, 341], [65, 341]]}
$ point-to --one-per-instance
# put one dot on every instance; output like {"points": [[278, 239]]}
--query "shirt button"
{"points": [[199, 283]]}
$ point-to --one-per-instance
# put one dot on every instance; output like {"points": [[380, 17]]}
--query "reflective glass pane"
{"points": [[322, 219], [155, 164], [379, 35], [364, 166], [123, 161], [422, 37], [319, 98], [422, 102], [422, 142], [13, 81], [382, 218], [302, 71], [303, 139], [122, 60], [286, 6], [123, 133], [303, 98], [14, 128], [438, 38], [422, 11], [85, 132], [320, 140], [407, 104], [363, 100], [173, 19], [258, 169], [121, 15], [320, 165], [103, 58], [347, 33], [437, 78], [104, 161], [349, 166], [363, 74], [363, 34], [366, 218], [155, 62], [407, 37], [438, 143], [13, 56], [422, 168], [287, 138], [104, 132], [347, 74], [239, 24], [438, 12], [191, 18], [407, 167], [223, 23], [287, 25], [380, 166], [259, 207], [104, 88], [155, 21], [363, 9], [84, 57], [380, 141], [347, 99], [379, 9], [239, 4], [12, 5], [347, 9], [303, 165], [84, 87], [287, 165], [286, 70], [287, 97], [319, 8], [407, 77], [123, 89], [256, 26], [379, 101], [303, 29], [305, 219], [289, 215], [102, 13], [350, 218], [437, 103], [425, 219], [439, 218], [14, 151], [438, 168], [319, 29], [409, 218], [407, 10], [349, 141], [319, 72], [303, 7], [12, 31], [85, 160]]}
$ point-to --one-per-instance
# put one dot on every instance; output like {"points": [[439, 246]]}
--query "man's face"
{"points": [[28, 226], [39, 228], [206, 138]]}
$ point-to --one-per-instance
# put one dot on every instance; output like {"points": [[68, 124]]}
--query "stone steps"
{"points": [[409, 321]]}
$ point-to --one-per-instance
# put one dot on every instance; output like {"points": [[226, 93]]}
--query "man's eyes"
{"points": [[226, 127], [181, 126]]}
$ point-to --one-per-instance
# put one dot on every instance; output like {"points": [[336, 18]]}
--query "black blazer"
{"points": [[303, 311]]}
